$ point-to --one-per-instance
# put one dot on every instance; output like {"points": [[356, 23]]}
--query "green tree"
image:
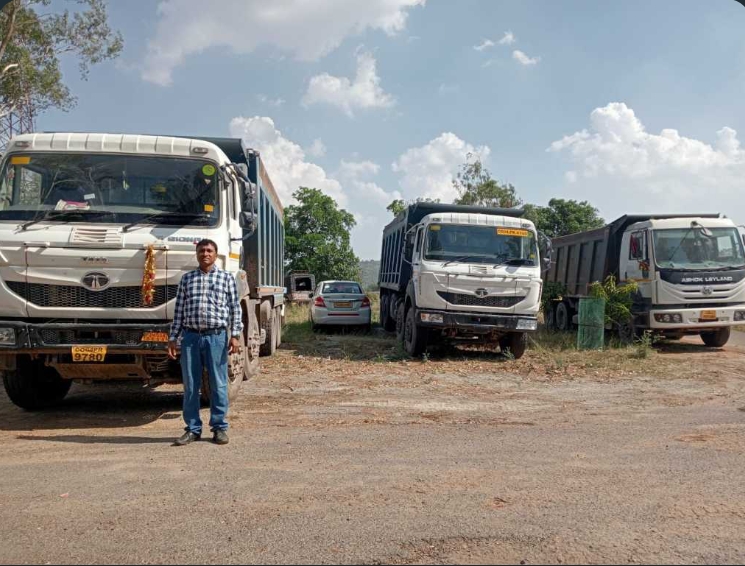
{"points": [[317, 237], [33, 36], [562, 217], [476, 186], [396, 207]]}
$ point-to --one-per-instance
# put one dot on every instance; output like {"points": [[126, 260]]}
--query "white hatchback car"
{"points": [[340, 303]]}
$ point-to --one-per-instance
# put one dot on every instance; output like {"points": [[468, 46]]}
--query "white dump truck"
{"points": [[689, 269], [463, 274], [96, 231]]}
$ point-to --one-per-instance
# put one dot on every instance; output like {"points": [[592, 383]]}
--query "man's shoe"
{"points": [[220, 437], [187, 438]]}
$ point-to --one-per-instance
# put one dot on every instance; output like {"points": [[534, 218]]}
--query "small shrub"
{"points": [[618, 300]]}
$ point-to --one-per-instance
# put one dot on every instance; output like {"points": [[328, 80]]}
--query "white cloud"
{"points": [[284, 159], [523, 59], [364, 93], [621, 167], [275, 102], [485, 44], [305, 30], [508, 38], [355, 177], [428, 171], [317, 148]]}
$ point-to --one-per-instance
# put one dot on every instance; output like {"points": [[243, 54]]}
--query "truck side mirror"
{"points": [[242, 170], [409, 245], [247, 221]]}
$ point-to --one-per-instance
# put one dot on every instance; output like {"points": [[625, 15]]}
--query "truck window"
{"points": [[418, 242], [637, 248], [686, 249], [132, 187], [480, 244]]}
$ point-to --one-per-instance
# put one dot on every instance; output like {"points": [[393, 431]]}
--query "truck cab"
{"points": [[463, 274], [691, 272], [96, 231]]}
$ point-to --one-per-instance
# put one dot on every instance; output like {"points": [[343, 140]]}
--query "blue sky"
{"points": [[634, 106]]}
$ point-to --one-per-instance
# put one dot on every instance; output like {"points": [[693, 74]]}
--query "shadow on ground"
{"points": [[92, 439], [96, 406]]}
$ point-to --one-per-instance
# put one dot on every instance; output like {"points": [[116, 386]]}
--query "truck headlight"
{"points": [[669, 317], [739, 316], [431, 317], [527, 324], [7, 337]]}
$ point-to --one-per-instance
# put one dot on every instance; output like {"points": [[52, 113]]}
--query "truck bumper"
{"points": [[58, 337], [476, 323], [674, 319]]}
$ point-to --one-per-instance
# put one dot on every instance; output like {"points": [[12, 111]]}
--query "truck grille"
{"points": [[52, 337], [499, 301], [70, 296]]}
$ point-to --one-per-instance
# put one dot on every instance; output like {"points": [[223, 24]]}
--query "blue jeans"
{"points": [[210, 351]]}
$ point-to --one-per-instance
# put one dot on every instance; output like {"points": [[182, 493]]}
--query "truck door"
{"points": [[636, 258], [416, 259]]}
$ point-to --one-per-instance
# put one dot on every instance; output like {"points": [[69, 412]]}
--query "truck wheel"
{"points": [[400, 323], [33, 386], [280, 323], [716, 338], [415, 336], [561, 317], [269, 325], [386, 320], [515, 343], [236, 368], [251, 358]]}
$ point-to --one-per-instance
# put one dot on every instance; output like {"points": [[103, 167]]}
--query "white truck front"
{"points": [[475, 278], [690, 273], [96, 231]]}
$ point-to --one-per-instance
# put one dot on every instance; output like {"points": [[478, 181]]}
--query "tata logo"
{"points": [[481, 293], [95, 281], [88, 259]]}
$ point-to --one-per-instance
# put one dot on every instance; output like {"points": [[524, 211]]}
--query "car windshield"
{"points": [[685, 248], [341, 288], [480, 244], [127, 188]]}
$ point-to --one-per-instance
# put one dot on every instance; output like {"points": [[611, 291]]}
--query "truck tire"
{"points": [[516, 343], [236, 369], [716, 338], [415, 336], [251, 358], [269, 325], [400, 326], [280, 323], [33, 386], [386, 320], [562, 319]]}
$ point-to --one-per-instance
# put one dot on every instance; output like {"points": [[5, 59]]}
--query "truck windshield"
{"points": [[683, 248], [161, 190], [480, 244]]}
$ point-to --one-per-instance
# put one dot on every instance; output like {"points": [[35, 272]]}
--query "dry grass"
{"points": [[551, 355]]}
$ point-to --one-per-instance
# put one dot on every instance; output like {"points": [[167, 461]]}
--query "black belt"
{"points": [[206, 331]]}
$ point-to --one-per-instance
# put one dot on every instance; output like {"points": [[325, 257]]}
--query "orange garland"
{"points": [[148, 277]]}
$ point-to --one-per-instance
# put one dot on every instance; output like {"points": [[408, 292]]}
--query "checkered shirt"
{"points": [[207, 300]]}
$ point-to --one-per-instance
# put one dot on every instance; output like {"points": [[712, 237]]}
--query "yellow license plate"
{"points": [[708, 315], [155, 336], [88, 353], [343, 304]]}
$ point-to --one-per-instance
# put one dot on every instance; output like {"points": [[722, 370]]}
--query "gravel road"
{"points": [[341, 461]]}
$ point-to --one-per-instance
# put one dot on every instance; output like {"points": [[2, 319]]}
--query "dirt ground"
{"points": [[342, 455]]}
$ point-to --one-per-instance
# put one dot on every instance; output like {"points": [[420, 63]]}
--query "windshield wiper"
{"points": [[62, 214], [462, 258], [166, 214], [517, 261]]}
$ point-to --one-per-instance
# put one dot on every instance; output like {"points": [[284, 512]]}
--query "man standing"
{"points": [[207, 310]]}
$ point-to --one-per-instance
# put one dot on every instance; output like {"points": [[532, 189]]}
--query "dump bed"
{"points": [[395, 269], [583, 258]]}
